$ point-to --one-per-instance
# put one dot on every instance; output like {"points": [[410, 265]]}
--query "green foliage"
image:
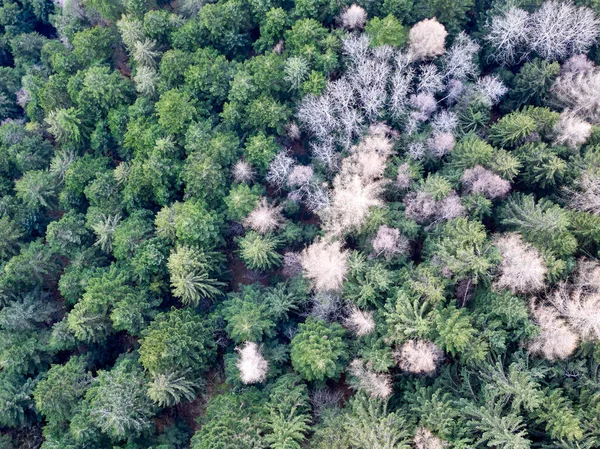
{"points": [[532, 84], [176, 341], [318, 351], [386, 31], [512, 129], [247, 316], [259, 252]]}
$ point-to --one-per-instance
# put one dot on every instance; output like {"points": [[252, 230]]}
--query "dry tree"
{"points": [[292, 264], [264, 218], [252, 365], [364, 378], [300, 176], [360, 322], [581, 309], [508, 35], [389, 243], [556, 340], [522, 269], [425, 439], [441, 143], [279, 169], [354, 17], [325, 264], [419, 357], [242, 171], [404, 177], [485, 182], [427, 39], [580, 93], [576, 64], [586, 197], [571, 131]]}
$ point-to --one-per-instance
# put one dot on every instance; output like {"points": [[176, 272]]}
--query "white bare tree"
{"points": [[279, 169], [522, 269], [458, 61], [485, 182], [360, 322], [325, 264], [364, 378], [587, 195], [353, 18], [556, 340], [508, 35], [252, 365], [425, 439], [560, 29], [580, 93], [419, 357], [571, 131], [264, 218], [427, 39]]}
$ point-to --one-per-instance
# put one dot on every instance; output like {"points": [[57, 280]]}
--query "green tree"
{"points": [[63, 386], [386, 31], [248, 316], [259, 252], [318, 351], [177, 340]]}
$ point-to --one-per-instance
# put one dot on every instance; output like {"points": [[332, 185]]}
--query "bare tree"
{"points": [[441, 143], [264, 218], [300, 176], [576, 64], [292, 264], [508, 35], [571, 131], [377, 385], [279, 169], [354, 18], [556, 340], [587, 195], [427, 39], [404, 177], [419, 357], [485, 182], [579, 308], [360, 322], [430, 80], [325, 264], [522, 269], [242, 171], [425, 439], [458, 60], [561, 29], [252, 365], [580, 93], [389, 243]]}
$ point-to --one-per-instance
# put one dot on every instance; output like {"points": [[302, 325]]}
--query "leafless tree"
{"points": [[485, 182], [242, 171], [389, 243], [556, 340], [560, 30], [441, 143], [325, 264], [572, 131], [377, 385], [425, 439], [508, 35], [264, 218], [252, 365], [279, 169], [576, 64], [419, 357], [458, 60], [300, 176], [580, 93], [354, 18], [430, 80], [587, 195], [522, 269], [360, 322], [427, 39]]}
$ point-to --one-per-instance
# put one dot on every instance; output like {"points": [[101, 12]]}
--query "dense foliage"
{"points": [[271, 224]]}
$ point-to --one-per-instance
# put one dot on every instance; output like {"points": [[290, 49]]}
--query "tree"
{"points": [[369, 424], [377, 385], [508, 35], [118, 403], [176, 110], [259, 252], [177, 340], [248, 318], [318, 350], [325, 264], [386, 31], [506, 431], [522, 269], [63, 386], [533, 82], [191, 271], [354, 18], [419, 357], [264, 218], [427, 39], [252, 364], [16, 395], [36, 189], [579, 93], [170, 388]]}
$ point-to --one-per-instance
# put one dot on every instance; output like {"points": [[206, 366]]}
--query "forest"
{"points": [[308, 224]]}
